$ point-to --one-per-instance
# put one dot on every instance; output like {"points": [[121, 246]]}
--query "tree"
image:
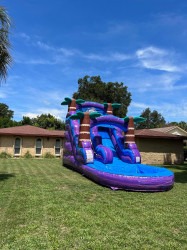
{"points": [[5, 111], [94, 89], [6, 116], [5, 57], [47, 121], [5, 122], [153, 120], [26, 121]]}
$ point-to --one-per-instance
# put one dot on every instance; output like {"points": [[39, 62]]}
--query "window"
{"points": [[17, 146], [38, 146], [57, 147]]}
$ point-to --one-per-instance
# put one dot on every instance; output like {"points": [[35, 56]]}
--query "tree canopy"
{"points": [[5, 57], [5, 111], [153, 120], [46, 121], [6, 116], [94, 89]]}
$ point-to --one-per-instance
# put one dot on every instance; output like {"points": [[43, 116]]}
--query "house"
{"points": [[17, 141], [155, 147], [158, 147]]}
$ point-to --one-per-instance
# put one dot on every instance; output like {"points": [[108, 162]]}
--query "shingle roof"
{"points": [[165, 129], [150, 133], [27, 130], [168, 129]]}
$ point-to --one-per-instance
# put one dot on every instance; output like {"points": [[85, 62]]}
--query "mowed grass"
{"points": [[46, 206]]}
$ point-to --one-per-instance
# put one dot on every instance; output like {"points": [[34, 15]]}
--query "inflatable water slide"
{"points": [[102, 147]]}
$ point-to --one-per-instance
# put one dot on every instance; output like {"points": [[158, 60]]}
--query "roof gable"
{"points": [[172, 130]]}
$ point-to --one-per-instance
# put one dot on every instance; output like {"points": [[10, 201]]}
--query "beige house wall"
{"points": [[7, 144], [153, 151], [160, 151]]}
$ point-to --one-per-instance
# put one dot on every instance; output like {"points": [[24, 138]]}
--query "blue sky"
{"points": [[141, 43]]}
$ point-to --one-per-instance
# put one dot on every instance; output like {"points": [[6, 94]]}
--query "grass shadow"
{"points": [[5, 176]]}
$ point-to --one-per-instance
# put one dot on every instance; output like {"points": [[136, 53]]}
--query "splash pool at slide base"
{"points": [[138, 177]]}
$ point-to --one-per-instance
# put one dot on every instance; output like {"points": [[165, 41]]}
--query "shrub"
{"points": [[48, 155], [5, 155], [185, 154], [27, 155]]}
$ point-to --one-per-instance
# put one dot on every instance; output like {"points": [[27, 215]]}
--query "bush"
{"points": [[185, 154], [27, 155], [48, 155], [5, 155]]}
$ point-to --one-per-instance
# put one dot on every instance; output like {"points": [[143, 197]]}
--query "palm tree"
{"points": [[71, 102], [84, 118], [130, 136], [111, 106], [5, 57]]}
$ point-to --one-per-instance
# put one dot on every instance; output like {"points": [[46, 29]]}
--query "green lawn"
{"points": [[46, 206]]}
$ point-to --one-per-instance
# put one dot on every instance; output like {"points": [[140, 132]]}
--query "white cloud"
{"points": [[163, 82], [64, 51], [118, 57], [156, 58], [31, 115], [40, 61], [58, 113], [60, 53], [48, 59], [173, 111], [150, 51], [138, 105], [68, 52], [44, 46], [24, 36], [136, 108], [146, 82], [53, 96]]}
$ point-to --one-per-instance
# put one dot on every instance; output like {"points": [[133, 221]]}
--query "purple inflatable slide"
{"points": [[102, 147]]}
